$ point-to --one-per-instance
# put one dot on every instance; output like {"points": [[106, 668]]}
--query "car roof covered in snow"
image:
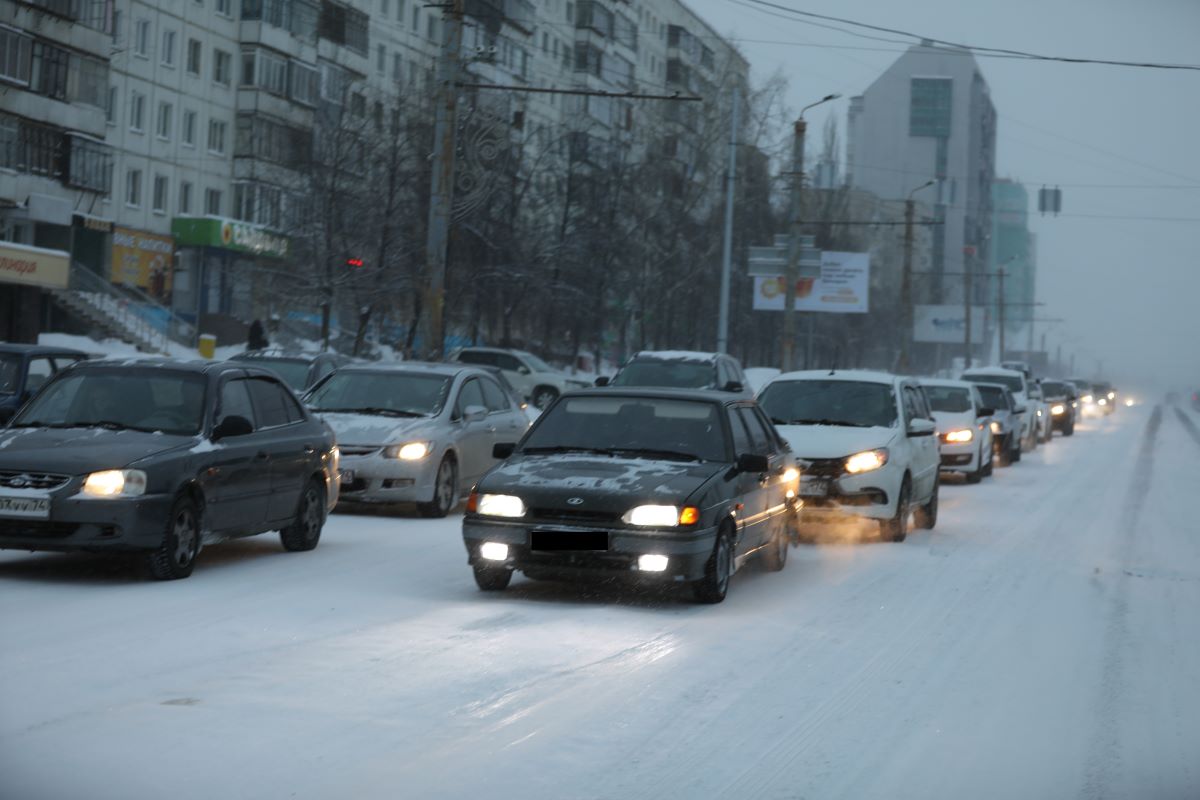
{"points": [[676, 355], [860, 375], [198, 366], [38, 349], [1008, 373], [659, 393], [446, 369], [947, 382]]}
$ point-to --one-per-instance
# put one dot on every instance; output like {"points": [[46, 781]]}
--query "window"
{"points": [[270, 402], [89, 164], [431, 28], [116, 26], [133, 188], [471, 395], [212, 202], [193, 57], [758, 436], [15, 56], [40, 370], [50, 71], [235, 402], [224, 7], [137, 111], [260, 136], [141, 38], [185, 197], [381, 59], [358, 104], [88, 81], [110, 109], [383, 7], [159, 198], [416, 18], [344, 25], [400, 12], [28, 147], [304, 83], [397, 67], [168, 48], [189, 128], [222, 67], [163, 127], [930, 107], [259, 203], [266, 70], [741, 439], [495, 397], [216, 136]]}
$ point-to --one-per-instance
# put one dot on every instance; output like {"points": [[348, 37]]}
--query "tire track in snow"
{"points": [[1192, 430], [1104, 761]]}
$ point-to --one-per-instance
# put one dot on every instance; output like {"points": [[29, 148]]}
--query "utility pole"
{"points": [[906, 302], [441, 189], [727, 254], [1000, 276], [967, 311], [793, 262]]}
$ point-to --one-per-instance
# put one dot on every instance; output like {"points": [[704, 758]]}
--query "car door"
{"points": [[509, 422], [774, 491], [474, 437], [289, 445], [761, 443], [519, 375], [923, 450], [236, 475], [747, 486]]}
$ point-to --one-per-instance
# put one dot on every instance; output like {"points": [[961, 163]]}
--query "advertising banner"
{"points": [[946, 323], [228, 234], [842, 287], [34, 266], [143, 260]]}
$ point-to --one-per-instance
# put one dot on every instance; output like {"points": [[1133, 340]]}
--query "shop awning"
{"points": [[34, 266]]}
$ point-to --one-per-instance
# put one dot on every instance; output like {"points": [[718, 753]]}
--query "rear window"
{"points": [[950, 399], [1015, 383], [675, 374], [994, 397]]}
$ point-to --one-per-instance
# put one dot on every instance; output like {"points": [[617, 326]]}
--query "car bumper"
{"points": [[870, 495], [960, 457], [375, 479], [76, 523], [686, 553]]}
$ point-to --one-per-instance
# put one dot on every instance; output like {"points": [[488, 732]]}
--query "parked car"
{"points": [[1042, 415], [159, 457], [865, 445], [537, 381], [1005, 422], [299, 370], [682, 369], [1017, 384], [964, 427], [1063, 398], [415, 433], [24, 368], [655, 485]]}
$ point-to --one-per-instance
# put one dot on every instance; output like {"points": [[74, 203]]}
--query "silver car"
{"points": [[415, 433]]}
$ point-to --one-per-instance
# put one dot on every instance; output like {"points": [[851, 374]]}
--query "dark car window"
{"points": [[494, 396], [675, 374], [477, 357], [913, 407], [294, 371], [505, 361], [235, 402], [39, 371], [1056, 389], [377, 391], [270, 403], [1015, 383], [138, 398], [64, 360], [10, 372], [469, 395], [760, 439], [951, 399], [741, 437], [995, 397], [829, 402]]}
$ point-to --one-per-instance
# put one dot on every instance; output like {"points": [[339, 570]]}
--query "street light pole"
{"points": [[1000, 277], [727, 254], [906, 303]]}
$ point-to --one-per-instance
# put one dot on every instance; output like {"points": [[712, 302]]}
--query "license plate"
{"points": [[568, 540], [347, 476], [814, 489], [25, 507]]}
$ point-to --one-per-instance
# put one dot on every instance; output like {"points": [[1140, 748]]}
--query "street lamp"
{"points": [[793, 263], [906, 305]]}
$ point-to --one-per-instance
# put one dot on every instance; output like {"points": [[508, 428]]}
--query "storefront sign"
{"points": [[34, 266], [88, 222], [143, 259], [228, 234]]}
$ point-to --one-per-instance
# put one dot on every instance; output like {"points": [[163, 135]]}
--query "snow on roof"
{"points": [[947, 382], [675, 355], [861, 375], [1010, 373]]}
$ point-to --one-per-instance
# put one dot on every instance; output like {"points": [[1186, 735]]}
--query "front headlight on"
{"points": [[1058, 410], [413, 451], [653, 516], [499, 505], [960, 437], [866, 461], [115, 483], [1112, 395], [1087, 398], [997, 427]]}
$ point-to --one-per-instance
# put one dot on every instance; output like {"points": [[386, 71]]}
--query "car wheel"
{"points": [[1004, 452], [492, 579], [445, 490], [896, 528], [776, 552], [543, 396], [176, 556], [1015, 456], [305, 531], [715, 583], [926, 516], [991, 466], [1069, 429]]}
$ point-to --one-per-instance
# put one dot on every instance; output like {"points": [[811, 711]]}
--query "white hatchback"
{"points": [[866, 446], [964, 427]]}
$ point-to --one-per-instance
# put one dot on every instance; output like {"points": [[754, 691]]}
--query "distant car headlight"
{"points": [[653, 516], [959, 437], [1058, 409], [1103, 401], [115, 483], [866, 461], [997, 427], [499, 505], [413, 451], [1087, 398], [1129, 402], [1112, 395]]}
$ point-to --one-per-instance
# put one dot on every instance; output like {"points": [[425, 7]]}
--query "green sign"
{"points": [[228, 234]]}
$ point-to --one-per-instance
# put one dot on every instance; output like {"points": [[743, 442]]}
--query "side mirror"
{"points": [[602, 380], [503, 450], [1020, 410], [474, 414], [921, 427], [753, 462], [232, 426], [985, 412], [524, 370], [734, 386]]}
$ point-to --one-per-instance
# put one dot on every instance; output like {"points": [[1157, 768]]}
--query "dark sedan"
{"points": [[24, 368], [301, 371], [158, 457], [658, 485], [1063, 399]]}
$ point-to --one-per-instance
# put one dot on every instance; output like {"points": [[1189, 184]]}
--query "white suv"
{"points": [[865, 443], [534, 379]]}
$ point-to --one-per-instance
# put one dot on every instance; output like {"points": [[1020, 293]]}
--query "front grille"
{"points": [[11, 479], [26, 528], [358, 451], [823, 467], [574, 515]]}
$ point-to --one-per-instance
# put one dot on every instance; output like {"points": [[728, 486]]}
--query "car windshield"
{"points": [[1015, 383], [647, 427], [994, 397], [118, 398], [379, 392], [830, 402], [10, 372], [952, 399], [1054, 389], [293, 371], [677, 374], [534, 362]]}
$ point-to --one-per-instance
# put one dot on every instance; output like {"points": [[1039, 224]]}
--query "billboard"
{"points": [[946, 323], [842, 288]]}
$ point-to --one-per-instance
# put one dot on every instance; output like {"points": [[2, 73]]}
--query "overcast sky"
{"points": [[1129, 289]]}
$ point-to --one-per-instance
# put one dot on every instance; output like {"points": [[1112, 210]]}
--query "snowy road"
{"points": [[1042, 642]]}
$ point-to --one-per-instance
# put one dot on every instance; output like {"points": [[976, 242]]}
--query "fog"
{"points": [[1119, 266]]}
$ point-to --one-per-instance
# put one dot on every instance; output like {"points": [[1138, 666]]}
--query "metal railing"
{"points": [[111, 303]]}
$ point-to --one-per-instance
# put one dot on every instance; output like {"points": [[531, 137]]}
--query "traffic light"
{"points": [[354, 262]]}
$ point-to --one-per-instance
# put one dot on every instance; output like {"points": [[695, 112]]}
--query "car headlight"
{"points": [[1058, 409], [960, 437], [654, 516], [790, 474], [413, 451], [1103, 401], [1087, 398], [1112, 395], [115, 483], [499, 505], [866, 461], [997, 427]]}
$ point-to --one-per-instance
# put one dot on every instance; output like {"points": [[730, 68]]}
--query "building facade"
{"points": [[1014, 248]]}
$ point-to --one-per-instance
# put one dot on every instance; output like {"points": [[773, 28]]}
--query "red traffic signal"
{"points": [[354, 262]]}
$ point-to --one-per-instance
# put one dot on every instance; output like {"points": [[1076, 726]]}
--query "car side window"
{"points": [[741, 439], [62, 361], [469, 395], [294, 411], [777, 441], [510, 363], [912, 410], [494, 396], [759, 439], [476, 357], [40, 370], [724, 376], [235, 402], [269, 402]]}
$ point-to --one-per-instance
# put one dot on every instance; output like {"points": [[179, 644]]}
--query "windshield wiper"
{"points": [[656, 453], [841, 422], [378, 410]]}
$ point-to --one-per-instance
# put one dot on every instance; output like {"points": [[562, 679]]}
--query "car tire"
{"points": [[991, 467], [176, 556], [305, 531], [1069, 429], [1015, 456], [926, 516], [1004, 453], [896, 528], [445, 490], [543, 396], [492, 579], [776, 552], [713, 587]]}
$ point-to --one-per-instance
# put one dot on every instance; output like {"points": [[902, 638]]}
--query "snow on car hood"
{"points": [[74, 451], [834, 441], [374, 429], [953, 420]]}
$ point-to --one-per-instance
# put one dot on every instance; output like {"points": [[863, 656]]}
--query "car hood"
{"points": [[75, 451], [602, 483], [373, 429], [834, 441], [953, 420]]}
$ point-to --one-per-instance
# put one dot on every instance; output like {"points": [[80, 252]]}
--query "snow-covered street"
{"points": [[1042, 642]]}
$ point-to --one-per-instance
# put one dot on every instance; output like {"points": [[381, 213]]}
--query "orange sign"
{"points": [[143, 259], [34, 266]]}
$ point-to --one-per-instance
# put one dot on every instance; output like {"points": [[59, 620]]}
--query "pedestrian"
{"points": [[257, 339]]}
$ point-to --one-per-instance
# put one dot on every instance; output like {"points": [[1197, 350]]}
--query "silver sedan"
{"points": [[415, 433]]}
